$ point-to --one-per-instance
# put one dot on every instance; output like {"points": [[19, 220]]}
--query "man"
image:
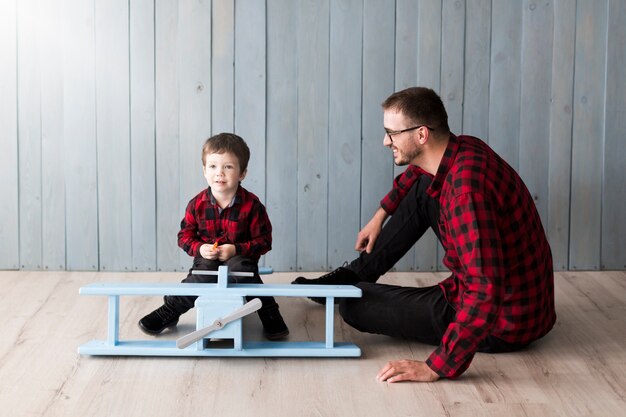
{"points": [[500, 296]]}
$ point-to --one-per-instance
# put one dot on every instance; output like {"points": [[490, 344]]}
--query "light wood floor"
{"points": [[577, 370]]}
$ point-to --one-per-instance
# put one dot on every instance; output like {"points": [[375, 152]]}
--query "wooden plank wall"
{"points": [[104, 106], [9, 204]]}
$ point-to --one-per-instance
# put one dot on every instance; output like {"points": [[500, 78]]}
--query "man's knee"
{"points": [[349, 311]]}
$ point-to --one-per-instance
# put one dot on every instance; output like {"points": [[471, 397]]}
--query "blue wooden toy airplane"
{"points": [[220, 310]]}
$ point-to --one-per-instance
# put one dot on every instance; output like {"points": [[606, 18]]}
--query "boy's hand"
{"points": [[225, 252], [208, 252], [219, 253]]}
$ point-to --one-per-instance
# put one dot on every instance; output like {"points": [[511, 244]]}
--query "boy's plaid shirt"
{"points": [[244, 223]]}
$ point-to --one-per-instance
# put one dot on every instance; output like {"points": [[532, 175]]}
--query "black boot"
{"points": [[340, 276], [274, 327], [160, 319]]}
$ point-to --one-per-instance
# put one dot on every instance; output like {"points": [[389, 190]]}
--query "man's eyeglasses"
{"points": [[390, 133]]}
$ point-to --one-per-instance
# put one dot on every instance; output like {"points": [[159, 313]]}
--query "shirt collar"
{"points": [[444, 167], [236, 199]]}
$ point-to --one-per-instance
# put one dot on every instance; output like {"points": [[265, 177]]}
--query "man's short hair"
{"points": [[227, 142], [420, 104]]}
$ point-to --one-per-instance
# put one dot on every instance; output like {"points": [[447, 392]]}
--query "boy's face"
{"points": [[222, 172]]}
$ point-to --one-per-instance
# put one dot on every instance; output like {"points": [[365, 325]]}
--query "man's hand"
{"points": [[406, 370], [367, 236]]}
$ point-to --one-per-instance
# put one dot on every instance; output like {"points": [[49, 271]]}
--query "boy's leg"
{"points": [[420, 314], [273, 323], [240, 263], [183, 303], [167, 315]]}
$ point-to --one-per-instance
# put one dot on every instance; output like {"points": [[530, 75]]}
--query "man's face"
{"points": [[405, 148]]}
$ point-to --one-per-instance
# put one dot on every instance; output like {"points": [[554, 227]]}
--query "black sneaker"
{"points": [[159, 320], [340, 276], [274, 327]]}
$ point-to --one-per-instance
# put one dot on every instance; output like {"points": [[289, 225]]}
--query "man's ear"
{"points": [[423, 134], [243, 175]]}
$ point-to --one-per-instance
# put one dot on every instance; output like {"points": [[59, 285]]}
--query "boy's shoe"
{"points": [[159, 320], [274, 327], [340, 276]]}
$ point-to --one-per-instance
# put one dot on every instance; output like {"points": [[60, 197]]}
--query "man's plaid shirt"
{"points": [[502, 280], [243, 223]]}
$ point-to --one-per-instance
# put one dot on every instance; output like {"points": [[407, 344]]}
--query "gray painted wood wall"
{"points": [[104, 106]]}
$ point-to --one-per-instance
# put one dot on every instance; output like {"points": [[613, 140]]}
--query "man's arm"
{"points": [[477, 244], [401, 185], [368, 235]]}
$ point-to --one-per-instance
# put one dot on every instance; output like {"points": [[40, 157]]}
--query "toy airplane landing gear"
{"points": [[220, 308], [217, 329]]}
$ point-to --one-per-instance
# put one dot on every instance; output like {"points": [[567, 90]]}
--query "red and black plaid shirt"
{"points": [[502, 280], [244, 224]]}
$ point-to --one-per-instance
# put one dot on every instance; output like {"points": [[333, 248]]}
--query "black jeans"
{"points": [[422, 314], [182, 303]]}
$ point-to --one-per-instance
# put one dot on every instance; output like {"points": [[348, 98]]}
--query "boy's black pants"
{"points": [[238, 263]]}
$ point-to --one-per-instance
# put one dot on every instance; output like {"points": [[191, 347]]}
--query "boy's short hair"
{"points": [[420, 104], [227, 142]]}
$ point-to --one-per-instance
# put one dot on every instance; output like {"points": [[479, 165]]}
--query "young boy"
{"points": [[223, 225]]}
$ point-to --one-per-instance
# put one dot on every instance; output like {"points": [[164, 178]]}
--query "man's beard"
{"points": [[408, 158]]}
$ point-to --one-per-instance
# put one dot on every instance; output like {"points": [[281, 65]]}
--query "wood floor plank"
{"points": [[579, 369]]}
